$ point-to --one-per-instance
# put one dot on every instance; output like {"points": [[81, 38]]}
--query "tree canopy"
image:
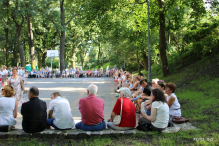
{"points": [[92, 32]]}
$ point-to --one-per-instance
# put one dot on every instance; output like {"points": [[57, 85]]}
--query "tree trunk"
{"points": [[162, 40], [101, 57], [74, 53], [145, 59], [62, 37], [39, 59], [31, 44], [20, 46], [44, 59]]}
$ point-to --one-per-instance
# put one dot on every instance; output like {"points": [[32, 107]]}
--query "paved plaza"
{"points": [[73, 89]]}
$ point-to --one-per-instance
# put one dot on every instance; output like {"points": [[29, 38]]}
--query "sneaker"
{"points": [[117, 95]]}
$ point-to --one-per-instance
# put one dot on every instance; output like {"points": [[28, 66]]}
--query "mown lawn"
{"points": [[198, 94]]}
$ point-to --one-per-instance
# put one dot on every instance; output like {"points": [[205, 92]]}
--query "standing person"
{"points": [[4, 75], [91, 109], [17, 83], [8, 109], [34, 113], [61, 108]]}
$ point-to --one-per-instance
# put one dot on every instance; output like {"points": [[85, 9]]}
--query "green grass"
{"points": [[198, 94]]}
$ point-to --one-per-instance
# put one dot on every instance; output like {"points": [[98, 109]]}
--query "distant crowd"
{"points": [[70, 73], [56, 73]]}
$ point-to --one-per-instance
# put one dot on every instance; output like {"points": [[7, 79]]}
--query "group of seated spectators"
{"points": [[36, 116], [156, 103], [69, 73]]}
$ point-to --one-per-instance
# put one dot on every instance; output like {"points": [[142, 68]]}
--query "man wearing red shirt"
{"points": [[91, 109]]}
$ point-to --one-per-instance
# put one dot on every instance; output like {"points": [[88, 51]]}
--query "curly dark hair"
{"points": [[159, 95], [172, 86]]}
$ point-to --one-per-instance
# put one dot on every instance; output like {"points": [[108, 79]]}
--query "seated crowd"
{"points": [[68, 73], [157, 104]]}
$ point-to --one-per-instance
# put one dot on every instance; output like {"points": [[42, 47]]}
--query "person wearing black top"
{"points": [[145, 96], [34, 113]]}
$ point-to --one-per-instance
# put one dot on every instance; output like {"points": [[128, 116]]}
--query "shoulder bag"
{"points": [[179, 119], [117, 118]]}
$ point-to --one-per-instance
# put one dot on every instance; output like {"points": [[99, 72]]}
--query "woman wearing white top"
{"points": [[8, 109], [172, 100], [158, 120]]}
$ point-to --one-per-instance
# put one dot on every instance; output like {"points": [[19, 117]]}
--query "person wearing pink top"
{"points": [[89, 73], [91, 109]]}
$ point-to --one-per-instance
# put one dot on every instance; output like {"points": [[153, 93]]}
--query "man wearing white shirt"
{"points": [[61, 108]]}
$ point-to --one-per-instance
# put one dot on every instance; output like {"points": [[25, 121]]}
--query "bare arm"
{"points": [[15, 110], [171, 101], [146, 97], [152, 116], [112, 117], [50, 114], [22, 85], [9, 83], [6, 76], [134, 86]]}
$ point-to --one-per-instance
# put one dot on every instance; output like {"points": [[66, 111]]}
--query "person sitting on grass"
{"points": [[128, 119], [61, 108], [158, 120], [91, 109], [34, 113], [8, 109], [172, 100]]}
